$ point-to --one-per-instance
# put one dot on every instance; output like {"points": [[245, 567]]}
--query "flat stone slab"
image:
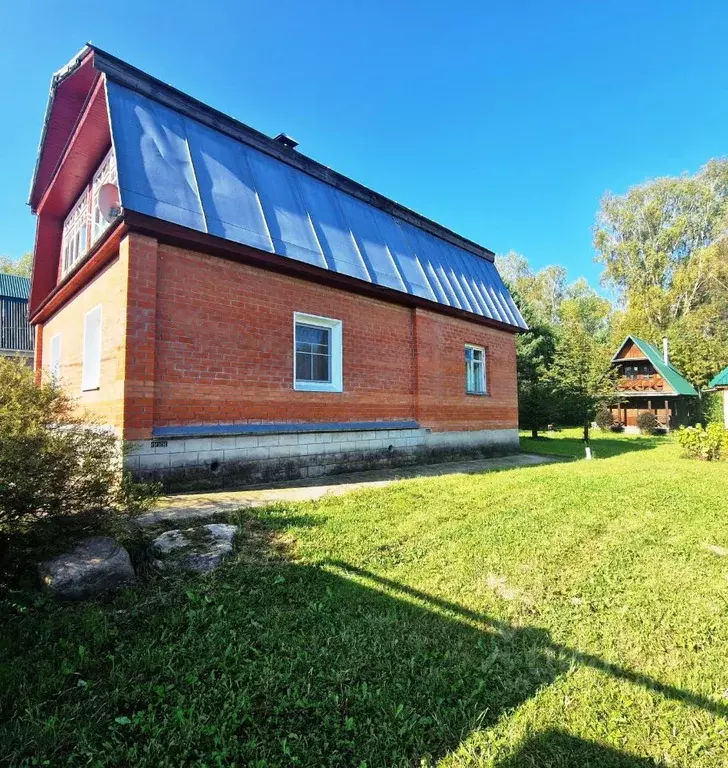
{"points": [[205, 505], [199, 549], [92, 567]]}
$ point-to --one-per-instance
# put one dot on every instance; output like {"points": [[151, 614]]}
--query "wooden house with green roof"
{"points": [[649, 382], [720, 383]]}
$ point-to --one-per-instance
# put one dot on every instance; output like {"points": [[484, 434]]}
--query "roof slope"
{"points": [[189, 172], [14, 287], [679, 384], [720, 380]]}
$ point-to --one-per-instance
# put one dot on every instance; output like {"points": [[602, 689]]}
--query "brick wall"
{"points": [[194, 339], [443, 404], [107, 289], [224, 353]]}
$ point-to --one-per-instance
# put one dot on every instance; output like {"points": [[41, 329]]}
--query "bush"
{"points": [[711, 407], [708, 444], [604, 419], [56, 464], [647, 423]]}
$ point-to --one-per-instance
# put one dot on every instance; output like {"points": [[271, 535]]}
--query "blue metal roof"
{"points": [[178, 169], [14, 287]]}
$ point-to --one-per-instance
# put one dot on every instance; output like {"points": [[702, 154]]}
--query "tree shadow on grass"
{"points": [[557, 749], [602, 447], [271, 662]]}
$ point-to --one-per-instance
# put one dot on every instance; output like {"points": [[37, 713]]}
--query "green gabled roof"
{"points": [[14, 287], [721, 380], [672, 376]]}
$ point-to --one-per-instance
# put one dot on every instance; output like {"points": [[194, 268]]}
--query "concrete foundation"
{"points": [[240, 460]]}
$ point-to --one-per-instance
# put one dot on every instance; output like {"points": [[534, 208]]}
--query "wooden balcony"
{"points": [[644, 384]]}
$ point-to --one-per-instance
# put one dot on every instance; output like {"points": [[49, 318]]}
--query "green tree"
{"points": [[23, 267], [535, 353], [57, 468], [541, 291], [581, 371], [547, 301], [665, 252], [655, 240]]}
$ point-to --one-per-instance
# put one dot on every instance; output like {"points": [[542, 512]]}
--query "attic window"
{"points": [[75, 232], [106, 174], [85, 224]]}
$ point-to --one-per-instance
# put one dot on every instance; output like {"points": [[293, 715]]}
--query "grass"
{"points": [[565, 616], [570, 442]]}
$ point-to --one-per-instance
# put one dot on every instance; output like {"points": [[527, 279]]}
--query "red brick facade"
{"points": [[203, 340]]}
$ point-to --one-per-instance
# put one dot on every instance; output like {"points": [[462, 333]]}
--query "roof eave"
{"points": [[178, 235], [137, 80], [56, 79]]}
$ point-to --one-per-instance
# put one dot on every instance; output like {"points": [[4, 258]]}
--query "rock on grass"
{"points": [[92, 567], [194, 549]]}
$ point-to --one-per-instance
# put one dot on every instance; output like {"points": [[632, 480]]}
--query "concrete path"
{"points": [[192, 505]]}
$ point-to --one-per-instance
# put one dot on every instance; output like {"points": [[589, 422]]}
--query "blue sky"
{"points": [[503, 121]]}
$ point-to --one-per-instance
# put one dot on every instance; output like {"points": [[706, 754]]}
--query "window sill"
{"points": [[310, 386], [90, 389], [477, 394]]}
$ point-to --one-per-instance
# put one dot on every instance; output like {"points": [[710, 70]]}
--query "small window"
{"points": [[317, 364], [474, 370], [91, 376], [55, 361]]}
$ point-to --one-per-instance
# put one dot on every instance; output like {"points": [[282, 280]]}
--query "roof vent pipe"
{"points": [[286, 141], [665, 351]]}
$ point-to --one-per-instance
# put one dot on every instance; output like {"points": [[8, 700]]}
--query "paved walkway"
{"points": [[193, 505]]}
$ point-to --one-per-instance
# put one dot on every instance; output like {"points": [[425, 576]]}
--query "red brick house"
{"points": [[241, 312]]}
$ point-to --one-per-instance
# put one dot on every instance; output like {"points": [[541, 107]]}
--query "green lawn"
{"points": [[571, 615], [604, 445]]}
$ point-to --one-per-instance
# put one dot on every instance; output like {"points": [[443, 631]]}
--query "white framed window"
{"points": [[75, 232], [475, 381], [317, 353], [106, 174], [91, 375], [85, 224], [55, 361]]}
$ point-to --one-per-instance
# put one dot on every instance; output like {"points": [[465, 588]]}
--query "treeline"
{"points": [[664, 248]]}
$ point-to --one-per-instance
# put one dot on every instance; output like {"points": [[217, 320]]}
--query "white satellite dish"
{"points": [[109, 203]]}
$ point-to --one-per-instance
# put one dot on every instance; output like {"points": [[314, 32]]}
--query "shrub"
{"points": [[647, 422], [617, 428], [56, 464], [604, 419], [707, 443], [711, 406]]}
